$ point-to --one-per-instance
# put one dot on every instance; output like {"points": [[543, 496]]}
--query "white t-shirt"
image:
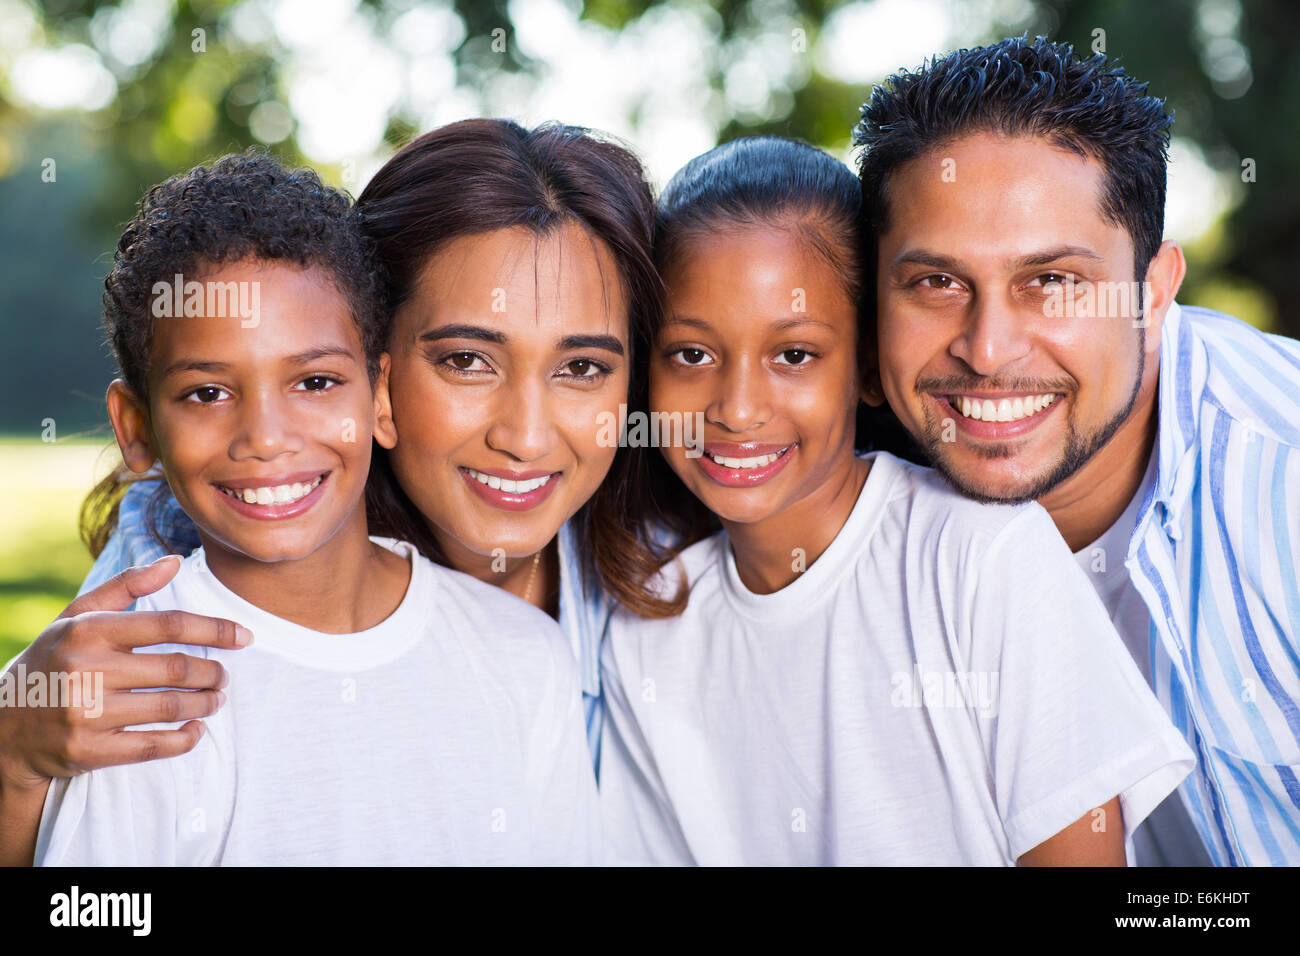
{"points": [[1167, 837], [451, 733], [941, 686]]}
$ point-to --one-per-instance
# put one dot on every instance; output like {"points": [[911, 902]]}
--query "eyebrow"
{"points": [[1045, 257], [781, 326], [607, 343], [300, 358]]}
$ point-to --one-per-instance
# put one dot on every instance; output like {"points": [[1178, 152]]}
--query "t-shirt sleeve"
{"points": [[131, 543], [641, 827], [146, 814], [1076, 724], [561, 786]]}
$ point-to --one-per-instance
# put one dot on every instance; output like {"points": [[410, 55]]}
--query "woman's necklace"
{"points": [[532, 577]]}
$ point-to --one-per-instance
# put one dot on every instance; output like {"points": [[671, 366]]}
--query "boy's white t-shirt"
{"points": [[942, 686], [450, 733]]}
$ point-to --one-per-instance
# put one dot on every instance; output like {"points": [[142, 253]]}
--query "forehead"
{"points": [[996, 197], [564, 278], [772, 265]]}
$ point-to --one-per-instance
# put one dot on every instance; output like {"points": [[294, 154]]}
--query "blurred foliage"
{"points": [[176, 109]]}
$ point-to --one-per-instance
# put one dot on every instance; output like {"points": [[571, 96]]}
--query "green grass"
{"points": [[42, 559]]}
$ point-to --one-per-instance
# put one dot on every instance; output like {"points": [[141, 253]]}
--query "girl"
{"points": [[520, 272], [263, 422], [870, 667]]}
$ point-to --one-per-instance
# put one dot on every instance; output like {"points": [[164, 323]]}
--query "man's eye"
{"points": [[1054, 278], [205, 394], [938, 282], [692, 356]]}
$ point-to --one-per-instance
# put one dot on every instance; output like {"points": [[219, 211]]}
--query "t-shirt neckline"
{"points": [[817, 582]]}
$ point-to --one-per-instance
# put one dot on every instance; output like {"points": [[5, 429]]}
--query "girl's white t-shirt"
{"points": [[450, 733], [941, 686]]}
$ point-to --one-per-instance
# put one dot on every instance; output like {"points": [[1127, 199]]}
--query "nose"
{"points": [[740, 402], [523, 420], [265, 429], [993, 336]]}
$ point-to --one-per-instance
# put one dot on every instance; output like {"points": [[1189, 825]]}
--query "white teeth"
{"points": [[273, 494], [508, 485], [1006, 410], [746, 463]]}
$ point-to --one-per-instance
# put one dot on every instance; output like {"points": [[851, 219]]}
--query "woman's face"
{"points": [[499, 365], [760, 336]]}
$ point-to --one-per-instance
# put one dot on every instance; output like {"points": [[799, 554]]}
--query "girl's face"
{"points": [[761, 337], [500, 365], [276, 408]]}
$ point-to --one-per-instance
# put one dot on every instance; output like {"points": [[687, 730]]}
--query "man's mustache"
{"points": [[973, 383]]}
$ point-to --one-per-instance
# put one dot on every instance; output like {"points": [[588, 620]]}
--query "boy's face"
{"points": [[977, 309], [264, 431], [500, 367], [760, 336]]}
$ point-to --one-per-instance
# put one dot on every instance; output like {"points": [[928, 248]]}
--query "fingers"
{"points": [[134, 746], [127, 630], [123, 710], [150, 670], [120, 591]]}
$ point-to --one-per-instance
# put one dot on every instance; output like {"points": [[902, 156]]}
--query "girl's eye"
{"points": [[465, 362], [205, 394], [794, 357], [318, 383], [586, 368], [691, 356]]}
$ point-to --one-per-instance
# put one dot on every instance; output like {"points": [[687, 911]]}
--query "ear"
{"points": [[1163, 279], [385, 431], [130, 418]]}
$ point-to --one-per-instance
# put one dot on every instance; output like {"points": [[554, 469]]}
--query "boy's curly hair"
{"points": [[242, 206]]}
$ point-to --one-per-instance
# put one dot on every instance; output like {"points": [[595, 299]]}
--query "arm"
{"points": [[95, 638], [1089, 841]]}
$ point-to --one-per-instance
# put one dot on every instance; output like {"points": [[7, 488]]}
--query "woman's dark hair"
{"points": [[483, 175], [242, 207], [764, 181]]}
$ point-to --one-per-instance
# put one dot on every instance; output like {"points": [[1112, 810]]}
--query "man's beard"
{"points": [[1079, 449]]}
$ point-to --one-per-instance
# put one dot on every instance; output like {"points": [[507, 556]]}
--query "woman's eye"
{"points": [[205, 394], [795, 357], [691, 356], [465, 362], [585, 368], [318, 383]]}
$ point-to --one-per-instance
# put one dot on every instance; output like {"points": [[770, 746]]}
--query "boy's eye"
{"points": [[205, 394], [691, 356]]}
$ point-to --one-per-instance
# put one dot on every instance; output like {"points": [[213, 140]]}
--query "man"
{"points": [[1030, 342]]}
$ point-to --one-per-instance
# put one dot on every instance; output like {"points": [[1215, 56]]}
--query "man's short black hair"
{"points": [[1019, 87]]}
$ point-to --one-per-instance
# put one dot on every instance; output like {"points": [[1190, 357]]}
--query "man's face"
{"points": [[1009, 340]]}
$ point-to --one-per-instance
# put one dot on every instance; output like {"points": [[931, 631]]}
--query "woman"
{"points": [[521, 288]]}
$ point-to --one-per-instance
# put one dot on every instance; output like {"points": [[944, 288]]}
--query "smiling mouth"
{"points": [[271, 495], [509, 486], [1003, 410], [747, 464]]}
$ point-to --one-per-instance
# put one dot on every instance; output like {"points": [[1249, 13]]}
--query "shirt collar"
{"points": [[1183, 372]]}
